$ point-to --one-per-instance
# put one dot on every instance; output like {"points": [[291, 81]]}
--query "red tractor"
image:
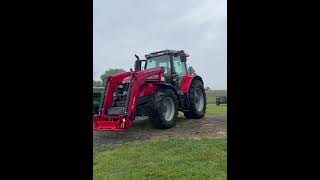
{"points": [[159, 87]]}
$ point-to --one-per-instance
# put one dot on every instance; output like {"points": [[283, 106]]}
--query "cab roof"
{"points": [[165, 52]]}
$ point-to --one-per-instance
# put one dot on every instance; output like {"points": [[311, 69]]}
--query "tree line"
{"points": [[109, 72]]}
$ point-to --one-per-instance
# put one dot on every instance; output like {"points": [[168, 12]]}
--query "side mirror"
{"points": [[183, 58], [191, 70]]}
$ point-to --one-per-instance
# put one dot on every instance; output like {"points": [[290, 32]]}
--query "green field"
{"points": [[212, 94], [212, 109], [211, 99], [164, 159]]}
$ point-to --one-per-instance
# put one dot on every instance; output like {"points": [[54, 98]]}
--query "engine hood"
{"points": [[126, 79]]}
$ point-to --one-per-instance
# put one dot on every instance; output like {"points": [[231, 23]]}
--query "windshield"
{"points": [[159, 61]]}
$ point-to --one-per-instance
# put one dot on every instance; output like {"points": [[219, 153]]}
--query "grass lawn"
{"points": [[164, 159], [211, 99], [212, 109]]}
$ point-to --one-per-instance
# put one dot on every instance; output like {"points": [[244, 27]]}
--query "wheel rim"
{"points": [[168, 109], [199, 100]]}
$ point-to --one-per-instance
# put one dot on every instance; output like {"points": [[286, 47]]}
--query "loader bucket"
{"points": [[111, 123]]}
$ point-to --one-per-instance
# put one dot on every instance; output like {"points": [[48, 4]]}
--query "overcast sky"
{"points": [[122, 28]]}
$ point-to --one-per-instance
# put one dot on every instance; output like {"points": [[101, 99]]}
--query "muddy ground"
{"points": [[210, 126]]}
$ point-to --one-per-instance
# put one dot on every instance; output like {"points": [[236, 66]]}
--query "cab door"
{"points": [[179, 70]]}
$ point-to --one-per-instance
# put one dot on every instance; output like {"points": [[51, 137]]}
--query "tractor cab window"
{"points": [[159, 61], [179, 67]]}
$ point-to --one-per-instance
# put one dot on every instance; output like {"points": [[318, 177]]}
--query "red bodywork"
{"points": [[139, 87], [186, 83]]}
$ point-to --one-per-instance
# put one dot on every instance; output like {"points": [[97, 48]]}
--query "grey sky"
{"points": [[123, 28]]}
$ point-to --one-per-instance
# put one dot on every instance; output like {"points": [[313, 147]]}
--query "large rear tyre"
{"points": [[163, 109], [198, 101]]}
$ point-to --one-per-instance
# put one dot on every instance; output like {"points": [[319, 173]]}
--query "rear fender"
{"points": [[186, 82]]}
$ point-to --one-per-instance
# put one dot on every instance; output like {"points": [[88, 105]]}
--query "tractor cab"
{"points": [[173, 62]]}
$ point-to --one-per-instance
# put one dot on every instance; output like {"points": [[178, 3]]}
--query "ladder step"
{"points": [[119, 103]]}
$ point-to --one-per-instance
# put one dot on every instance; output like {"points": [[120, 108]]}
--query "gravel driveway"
{"points": [[209, 126]]}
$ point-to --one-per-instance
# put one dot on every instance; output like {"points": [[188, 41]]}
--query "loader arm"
{"points": [[137, 80], [124, 119]]}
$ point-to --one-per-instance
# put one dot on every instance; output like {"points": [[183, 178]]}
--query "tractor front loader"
{"points": [[119, 105]]}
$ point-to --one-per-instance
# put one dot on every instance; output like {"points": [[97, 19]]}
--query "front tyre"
{"points": [[163, 109]]}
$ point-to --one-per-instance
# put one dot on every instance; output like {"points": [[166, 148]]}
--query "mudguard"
{"points": [[169, 86], [187, 80]]}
